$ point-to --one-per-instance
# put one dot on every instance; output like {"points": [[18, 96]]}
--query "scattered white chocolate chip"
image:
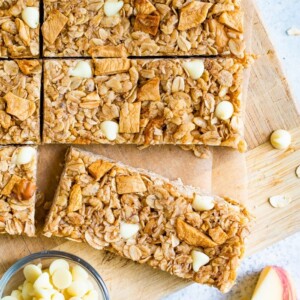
{"points": [[293, 31], [78, 288], [58, 264], [280, 139], [298, 171], [62, 278], [25, 155], [111, 8], [32, 272], [128, 230], [83, 69], [279, 201], [194, 68], [199, 259], [31, 16], [224, 110], [79, 273], [201, 203], [8, 298], [110, 129]]}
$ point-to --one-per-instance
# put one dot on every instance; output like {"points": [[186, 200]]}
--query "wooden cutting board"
{"points": [[271, 172]]}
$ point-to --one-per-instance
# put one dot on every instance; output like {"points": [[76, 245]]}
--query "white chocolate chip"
{"points": [[281, 139], [43, 282], [279, 201], [110, 129], [43, 293], [17, 295], [201, 203], [224, 110], [199, 259], [58, 296], [79, 273], [25, 155], [111, 8], [194, 68], [31, 16], [78, 288], [62, 278], [58, 264], [91, 295], [83, 69], [298, 171], [8, 298], [127, 230], [32, 272], [28, 290]]}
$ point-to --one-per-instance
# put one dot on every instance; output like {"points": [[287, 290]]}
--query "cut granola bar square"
{"points": [[144, 217], [144, 102], [20, 87], [110, 28], [18, 167], [19, 28]]}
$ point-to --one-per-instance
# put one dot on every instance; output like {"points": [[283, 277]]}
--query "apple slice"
{"points": [[274, 283]]}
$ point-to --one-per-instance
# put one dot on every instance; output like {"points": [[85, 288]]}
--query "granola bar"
{"points": [[148, 219], [18, 167], [19, 28], [20, 84], [143, 28], [148, 101]]}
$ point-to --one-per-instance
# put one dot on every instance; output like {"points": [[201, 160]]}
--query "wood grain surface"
{"points": [[271, 172]]}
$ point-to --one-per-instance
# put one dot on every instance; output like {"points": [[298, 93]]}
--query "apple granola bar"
{"points": [[148, 219], [20, 86], [19, 28], [144, 102], [18, 166], [115, 28]]}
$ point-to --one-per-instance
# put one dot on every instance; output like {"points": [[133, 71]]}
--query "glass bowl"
{"points": [[14, 277]]}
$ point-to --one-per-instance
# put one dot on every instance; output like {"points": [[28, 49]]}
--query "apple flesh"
{"points": [[274, 283]]}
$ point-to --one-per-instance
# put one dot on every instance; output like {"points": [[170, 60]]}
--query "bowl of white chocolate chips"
{"points": [[52, 275]]}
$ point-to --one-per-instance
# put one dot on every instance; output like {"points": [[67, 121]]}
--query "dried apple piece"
{"points": [[150, 90], [99, 168], [75, 200], [19, 107], [111, 66], [130, 184], [193, 236], [29, 67], [147, 23], [144, 7], [193, 14], [233, 19], [130, 117], [53, 26]]}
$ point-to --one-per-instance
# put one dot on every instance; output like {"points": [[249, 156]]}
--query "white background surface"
{"points": [[278, 16]]}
